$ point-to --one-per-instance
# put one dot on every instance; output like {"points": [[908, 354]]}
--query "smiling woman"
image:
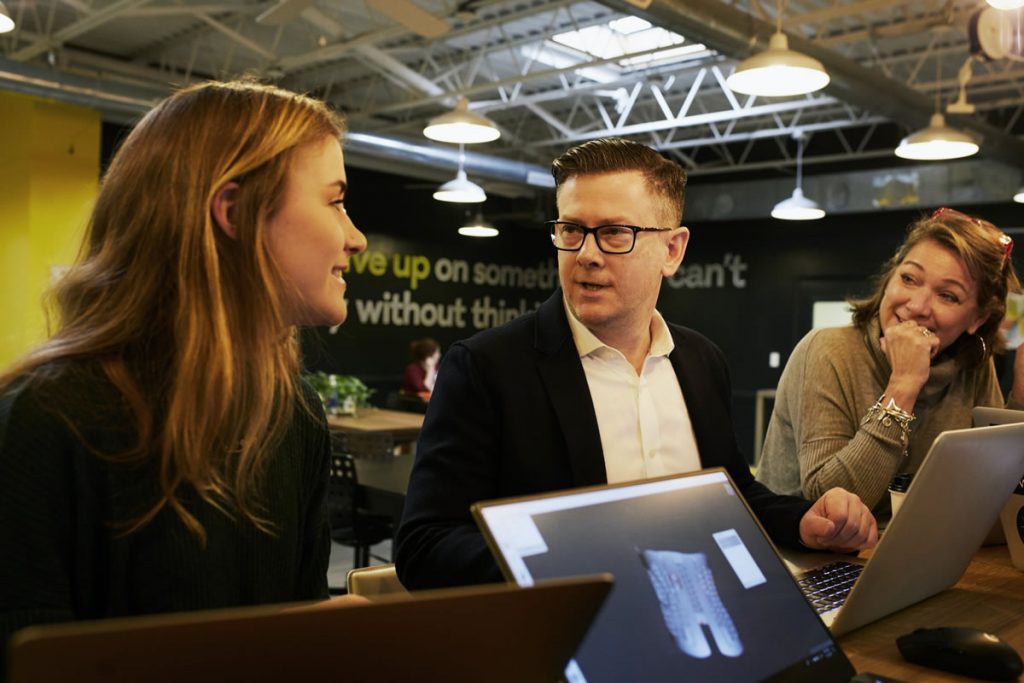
{"points": [[159, 452], [919, 353]]}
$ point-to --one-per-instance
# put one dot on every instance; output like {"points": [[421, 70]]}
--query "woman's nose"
{"points": [[920, 303], [355, 241]]}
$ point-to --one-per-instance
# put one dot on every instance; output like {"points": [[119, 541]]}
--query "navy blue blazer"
{"points": [[511, 415]]}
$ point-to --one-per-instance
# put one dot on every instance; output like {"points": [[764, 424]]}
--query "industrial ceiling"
{"points": [[391, 65]]}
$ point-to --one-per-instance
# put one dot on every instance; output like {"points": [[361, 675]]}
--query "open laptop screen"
{"points": [[699, 590]]}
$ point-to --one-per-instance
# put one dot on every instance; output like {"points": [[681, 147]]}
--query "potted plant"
{"points": [[341, 394]]}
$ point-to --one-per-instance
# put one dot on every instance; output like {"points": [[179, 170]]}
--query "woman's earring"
{"points": [[984, 348]]}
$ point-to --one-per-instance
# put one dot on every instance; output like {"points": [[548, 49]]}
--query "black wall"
{"points": [[748, 286]]}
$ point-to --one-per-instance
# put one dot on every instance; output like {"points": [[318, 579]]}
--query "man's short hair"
{"points": [[665, 178]]}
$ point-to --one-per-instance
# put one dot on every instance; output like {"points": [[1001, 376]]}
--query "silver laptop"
{"points": [[987, 417], [700, 592], [954, 499]]}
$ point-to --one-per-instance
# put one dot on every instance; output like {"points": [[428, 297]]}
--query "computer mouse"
{"points": [[964, 651]]}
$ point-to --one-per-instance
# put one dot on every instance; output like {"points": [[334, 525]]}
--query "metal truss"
{"points": [[390, 80]]}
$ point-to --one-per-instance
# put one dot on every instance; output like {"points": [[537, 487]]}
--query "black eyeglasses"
{"points": [[611, 239]]}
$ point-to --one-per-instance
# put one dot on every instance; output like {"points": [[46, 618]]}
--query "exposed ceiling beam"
{"points": [[81, 26], [729, 30]]}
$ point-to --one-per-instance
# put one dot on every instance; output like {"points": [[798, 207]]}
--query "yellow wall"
{"points": [[49, 173]]}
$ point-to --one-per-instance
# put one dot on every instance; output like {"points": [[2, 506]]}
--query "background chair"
{"points": [[379, 579], [351, 523]]}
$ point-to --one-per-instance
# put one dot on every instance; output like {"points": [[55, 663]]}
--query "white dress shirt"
{"points": [[645, 427]]}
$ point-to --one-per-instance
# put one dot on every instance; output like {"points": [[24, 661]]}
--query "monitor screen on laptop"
{"points": [[699, 590]]}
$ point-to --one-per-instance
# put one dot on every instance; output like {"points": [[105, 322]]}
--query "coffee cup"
{"points": [[897, 489]]}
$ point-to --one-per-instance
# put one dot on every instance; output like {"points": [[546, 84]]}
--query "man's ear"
{"points": [[221, 207], [677, 242]]}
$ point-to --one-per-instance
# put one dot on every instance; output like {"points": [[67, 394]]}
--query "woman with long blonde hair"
{"points": [[159, 452]]}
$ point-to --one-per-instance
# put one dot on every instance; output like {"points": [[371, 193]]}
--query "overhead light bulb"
{"points": [[778, 72], [937, 141], [6, 21], [798, 207], [1019, 197], [1006, 4], [460, 189], [461, 126], [478, 226]]}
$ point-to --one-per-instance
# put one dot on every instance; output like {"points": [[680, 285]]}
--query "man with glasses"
{"points": [[594, 387]]}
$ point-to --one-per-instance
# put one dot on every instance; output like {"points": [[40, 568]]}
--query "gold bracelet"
{"points": [[890, 414]]}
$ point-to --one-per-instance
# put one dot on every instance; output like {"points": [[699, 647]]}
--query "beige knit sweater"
{"points": [[816, 439]]}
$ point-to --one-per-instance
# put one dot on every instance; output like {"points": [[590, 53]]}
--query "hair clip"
{"points": [[1004, 240], [1007, 243]]}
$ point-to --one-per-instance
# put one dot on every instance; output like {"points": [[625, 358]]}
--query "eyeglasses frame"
{"points": [[597, 240]]}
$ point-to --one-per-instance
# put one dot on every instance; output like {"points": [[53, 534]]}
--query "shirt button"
{"points": [[651, 454]]}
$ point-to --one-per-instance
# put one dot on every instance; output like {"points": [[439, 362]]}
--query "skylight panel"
{"points": [[626, 36]]}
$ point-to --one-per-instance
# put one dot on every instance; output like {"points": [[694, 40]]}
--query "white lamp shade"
{"points": [[461, 125], [778, 72], [480, 230], [1019, 197], [937, 141], [478, 226], [461, 190], [798, 208], [6, 22], [1006, 4]]}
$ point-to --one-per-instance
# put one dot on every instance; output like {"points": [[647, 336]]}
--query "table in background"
{"points": [[989, 596], [382, 444]]}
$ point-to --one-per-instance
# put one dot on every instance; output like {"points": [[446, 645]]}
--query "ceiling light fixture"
{"points": [[460, 189], [937, 141], [478, 226], [1006, 4], [461, 126], [778, 71], [6, 21], [1019, 197], [798, 207]]}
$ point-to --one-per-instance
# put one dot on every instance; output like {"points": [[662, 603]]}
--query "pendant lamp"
{"points": [[6, 20], [460, 189], [461, 126], [937, 141], [778, 71], [478, 226], [798, 207]]}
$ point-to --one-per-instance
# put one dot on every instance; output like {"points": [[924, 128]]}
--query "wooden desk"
{"points": [[990, 596], [401, 426]]}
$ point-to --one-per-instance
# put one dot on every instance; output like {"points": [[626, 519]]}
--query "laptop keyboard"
{"points": [[826, 587]]}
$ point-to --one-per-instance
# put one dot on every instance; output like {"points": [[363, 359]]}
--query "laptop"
{"points": [[700, 592], [987, 417], [953, 501], [485, 633]]}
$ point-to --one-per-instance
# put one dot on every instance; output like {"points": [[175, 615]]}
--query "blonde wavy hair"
{"points": [[186, 322]]}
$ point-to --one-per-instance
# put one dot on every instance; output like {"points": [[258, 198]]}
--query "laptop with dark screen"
{"points": [[499, 633], [700, 592]]}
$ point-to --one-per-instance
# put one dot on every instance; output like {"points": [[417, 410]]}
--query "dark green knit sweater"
{"points": [[60, 557]]}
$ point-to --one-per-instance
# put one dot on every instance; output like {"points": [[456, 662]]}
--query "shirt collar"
{"points": [[587, 343]]}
